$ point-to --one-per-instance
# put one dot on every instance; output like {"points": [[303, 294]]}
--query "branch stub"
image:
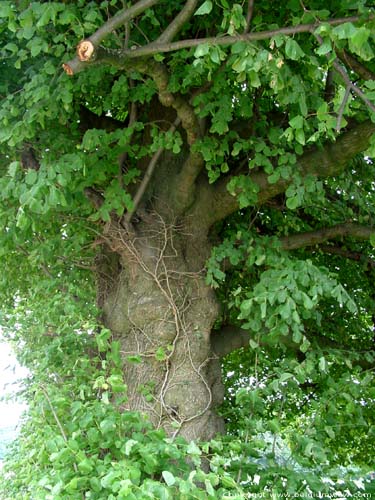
{"points": [[68, 70], [85, 50]]}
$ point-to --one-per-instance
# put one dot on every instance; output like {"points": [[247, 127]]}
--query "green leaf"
{"points": [[360, 37], [209, 488], [344, 31], [285, 376], [228, 482], [325, 47], [168, 477], [297, 122], [193, 449], [322, 364], [160, 354], [205, 8], [13, 168], [134, 358], [293, 202], [293, 50], [85, 466], [117, 384], [31, 177], [202, 50], [129, 445]]}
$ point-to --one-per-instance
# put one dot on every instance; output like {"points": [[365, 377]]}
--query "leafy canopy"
{"points": [[285, 99]]}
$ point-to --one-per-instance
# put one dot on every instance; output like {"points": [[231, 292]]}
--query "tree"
{"points": [[206, 169]]}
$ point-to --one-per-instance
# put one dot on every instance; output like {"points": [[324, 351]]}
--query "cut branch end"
{"points": [[68, 70], [85, 50]]}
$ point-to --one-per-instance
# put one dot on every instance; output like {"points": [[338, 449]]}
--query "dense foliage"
{"points": [[269, 113]]}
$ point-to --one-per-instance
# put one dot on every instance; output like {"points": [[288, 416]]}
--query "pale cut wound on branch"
{"points": [[85, 50]]}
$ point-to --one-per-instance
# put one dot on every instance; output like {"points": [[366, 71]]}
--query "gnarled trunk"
{"points": [[156, 302]]}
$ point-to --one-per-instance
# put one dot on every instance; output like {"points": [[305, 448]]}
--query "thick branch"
{"points": [[184, 184], [178, 22], [353, 63], [348, 254], [89, 50], [231, 338], [189, 120], [216, 203], [328, 233]]}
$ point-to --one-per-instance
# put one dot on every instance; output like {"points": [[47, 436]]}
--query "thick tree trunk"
{"points": [[157, 303]]}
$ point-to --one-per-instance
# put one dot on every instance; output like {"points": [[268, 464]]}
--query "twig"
{"points": [[147, 177], [171, 31], [349, 84], [124, 156], [121, 18], [250, 11], [59, 424], [341, 110]]}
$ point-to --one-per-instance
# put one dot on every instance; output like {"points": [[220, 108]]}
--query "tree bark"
{"points": [[156, 302]]}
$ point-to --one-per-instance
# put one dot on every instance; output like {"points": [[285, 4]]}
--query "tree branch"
{"points": [[353, 63], [159, 73], [249, 16], [349, 84], [348, 254], [184, 183], [156, 48], [215, 203], [90, 52], [147, 177], [119, 19], [340, 113], [318, 236], [231, 338], [189, 120], [178, 22]]}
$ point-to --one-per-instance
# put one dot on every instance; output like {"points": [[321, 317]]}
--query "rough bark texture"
{"points": [[157, 304]]}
